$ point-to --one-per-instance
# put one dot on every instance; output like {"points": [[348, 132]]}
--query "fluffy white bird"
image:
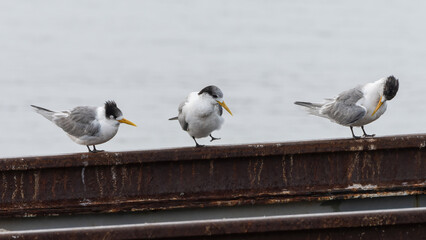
{"points": [[88, 125], [358, 106], [201, 113]]}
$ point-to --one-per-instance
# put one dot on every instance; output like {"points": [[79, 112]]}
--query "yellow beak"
{"points": [[224, 106], [127, 122], [378, 106]]}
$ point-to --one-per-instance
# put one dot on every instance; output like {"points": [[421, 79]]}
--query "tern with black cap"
{"points": [[358, 106], [88, 125], [201, 113]]}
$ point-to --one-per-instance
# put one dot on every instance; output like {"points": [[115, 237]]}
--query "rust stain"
{"points": [[100, 182], [260, 171], [36, 184], [207, 231], [21, 186], [367, 169], [4, 185], [140, 175], [124, 178], [107, 236], [357, 148], [353, 165], [369, 221], [372, 147], [114, 178], [15, 190], [255, 168], [291, 165], [283, 170], [237, 175]]}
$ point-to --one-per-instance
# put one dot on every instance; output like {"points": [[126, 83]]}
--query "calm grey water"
{"points": [[148, 55]]}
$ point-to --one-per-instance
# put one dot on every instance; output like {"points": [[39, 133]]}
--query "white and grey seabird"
{"points": [[201, 113], [87, 125], [358, 106]]}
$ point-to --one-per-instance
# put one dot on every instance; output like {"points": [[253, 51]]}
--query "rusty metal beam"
{"points": [[390, 224], [213, 176]]}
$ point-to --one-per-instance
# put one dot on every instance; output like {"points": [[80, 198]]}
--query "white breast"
{"points": [[201, 114], [369, 101]]}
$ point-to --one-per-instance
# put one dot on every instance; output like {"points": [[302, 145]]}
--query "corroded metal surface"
{"points": [[394, 224], [213, 176]]}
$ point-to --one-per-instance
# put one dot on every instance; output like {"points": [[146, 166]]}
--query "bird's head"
{"points": [[112, 112], [216, 94], [388, 90]]}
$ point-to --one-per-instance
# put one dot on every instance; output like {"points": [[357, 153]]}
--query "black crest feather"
{"points": [[391, 87], [111, 109]]}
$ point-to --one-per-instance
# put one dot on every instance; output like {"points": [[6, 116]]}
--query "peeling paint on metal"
{"points": [[100, 181], [83, 169], [36, 184], [124, 180], [213, 176], [371, 147], [362, 187], [16, 189], [114, 178], [21, 185], [357, 148], [4, 180]]}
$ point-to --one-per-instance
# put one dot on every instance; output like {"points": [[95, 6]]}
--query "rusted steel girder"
{"points": [[213, 176], [393, 224]]}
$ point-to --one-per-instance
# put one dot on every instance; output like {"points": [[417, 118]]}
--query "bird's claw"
{"points": [[213, 138]]}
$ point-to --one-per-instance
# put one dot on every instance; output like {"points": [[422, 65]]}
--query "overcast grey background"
{"points": [[148, 55]]}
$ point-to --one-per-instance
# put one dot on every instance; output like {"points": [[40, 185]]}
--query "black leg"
{"points": [[197, 145], [89, 148], [213, 138], [367, 135], [94, 149], [353, 135]]}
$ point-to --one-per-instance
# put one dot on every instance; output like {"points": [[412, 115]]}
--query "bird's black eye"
{"points": [[214, 95], [111, 117]]}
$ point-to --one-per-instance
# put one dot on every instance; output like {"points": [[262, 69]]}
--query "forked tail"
{"points": [[44, 112], [312, 108]]}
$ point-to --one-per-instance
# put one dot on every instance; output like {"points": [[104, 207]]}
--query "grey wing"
{"points": [[181, 106], [343, 109], [181, 116], [80, 121]]}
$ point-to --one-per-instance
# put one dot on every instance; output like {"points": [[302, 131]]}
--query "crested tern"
{"points": [[358, 106], [201, 113], [88, 125]]}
